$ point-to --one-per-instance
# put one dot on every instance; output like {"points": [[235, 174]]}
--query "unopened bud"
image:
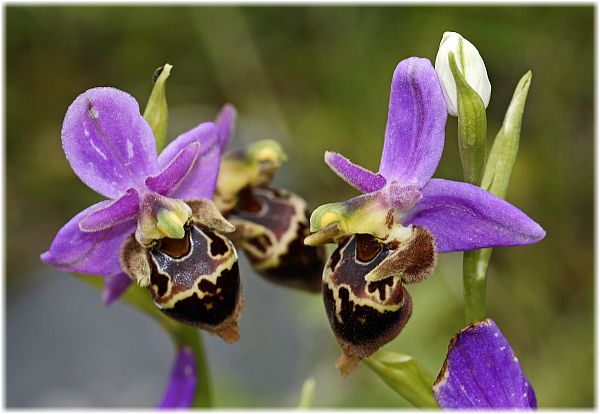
{"points": [[469, 63]]}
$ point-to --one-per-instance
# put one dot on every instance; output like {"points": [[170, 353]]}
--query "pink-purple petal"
{"points": [[201, 180], [353, 174], [404, 197], [174, 173], [462, 216], [181, 388], [73, 250], [481, 371], [107, 141], [414, 136], [114, 287], [120, 210], [226, 125]]}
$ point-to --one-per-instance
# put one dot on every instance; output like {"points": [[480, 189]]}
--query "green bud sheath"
{"points": [[403, 374], [156, 112], [472, 126], [506, 145]]}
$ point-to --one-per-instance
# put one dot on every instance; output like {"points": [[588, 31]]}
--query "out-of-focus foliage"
{"points": [[317, 79]]}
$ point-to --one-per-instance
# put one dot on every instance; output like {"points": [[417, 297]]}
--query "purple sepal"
{"points": [[201, 180], [414, 136], [481, 371], [120, 210], [174, 173], [462, 216], [226, 125], [114, 287], [181, 388], [355, 175], [107, 141], [73, 250]]}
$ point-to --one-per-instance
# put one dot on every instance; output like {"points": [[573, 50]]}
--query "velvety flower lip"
{"points": [[481, 371], [460, 216], [111, 148], [181, 388]]}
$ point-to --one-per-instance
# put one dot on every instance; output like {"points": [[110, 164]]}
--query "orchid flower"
{"points": [[156, 209], [391, 233], [271, 223], [481, 371]]}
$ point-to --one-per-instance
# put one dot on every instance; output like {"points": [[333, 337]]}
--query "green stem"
{"points": [[475, 264], [307, 394], [496, 176]]}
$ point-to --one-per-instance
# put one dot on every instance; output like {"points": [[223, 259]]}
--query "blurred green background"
{"points": [[317, 78]]}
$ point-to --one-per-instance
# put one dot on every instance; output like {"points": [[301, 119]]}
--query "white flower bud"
{"points": [[470, 64]]}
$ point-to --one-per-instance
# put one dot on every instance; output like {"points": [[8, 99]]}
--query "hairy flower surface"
{"points": [[112, 150], [481, 371], [390, 234]]}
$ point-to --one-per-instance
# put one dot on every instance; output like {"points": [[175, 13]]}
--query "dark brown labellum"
{"points": [[196, 281], [270, 228], [363, 315]]}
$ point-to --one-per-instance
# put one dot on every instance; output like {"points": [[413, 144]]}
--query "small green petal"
{"points": [[156, 112], [506, 145]]}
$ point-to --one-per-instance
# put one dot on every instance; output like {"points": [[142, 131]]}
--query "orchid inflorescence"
{"points": [[175, 220]]}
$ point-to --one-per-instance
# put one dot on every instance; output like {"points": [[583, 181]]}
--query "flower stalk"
{"points": [[472, 129], [156, 113], [475, 264], [307, 394], [496, 176]]}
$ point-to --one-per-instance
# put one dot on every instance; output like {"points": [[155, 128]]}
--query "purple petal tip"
{"points": [[107, 141], [181, 388], [482, 371], [226, 125], [462, 216], [114, 287]]}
